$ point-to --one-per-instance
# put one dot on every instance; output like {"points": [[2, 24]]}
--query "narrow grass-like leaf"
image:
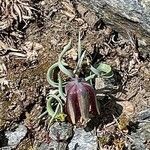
{"points": [[50, 75], [43, 114], [79, 64], [79, 46], [90, 77], [94, 70], [55, 113], [81, 59]]}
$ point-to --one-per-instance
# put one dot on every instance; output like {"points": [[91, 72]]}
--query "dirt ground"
{"points": [[22, 100]]}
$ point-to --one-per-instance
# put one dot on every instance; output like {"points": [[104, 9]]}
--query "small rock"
{"points": [[14, 137], [99, 83], [141, 136], [43, 3], [83, 140], [144, 115], [53, 145], [61, 131]]}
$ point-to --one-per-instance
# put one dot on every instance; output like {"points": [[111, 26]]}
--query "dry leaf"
{"points": [[128, 107]]}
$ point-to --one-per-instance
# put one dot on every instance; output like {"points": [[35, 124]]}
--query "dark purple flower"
{"points": [[81, 100]]}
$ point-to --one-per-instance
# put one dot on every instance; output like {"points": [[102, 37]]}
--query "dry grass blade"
{"points": [[18, 12], [13, 13]]}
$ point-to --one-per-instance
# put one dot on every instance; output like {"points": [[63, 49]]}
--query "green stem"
{"points": [[60, 88], [43, 114]]}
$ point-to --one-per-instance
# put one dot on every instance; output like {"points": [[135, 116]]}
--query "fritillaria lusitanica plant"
{"points": [[79, 97]]}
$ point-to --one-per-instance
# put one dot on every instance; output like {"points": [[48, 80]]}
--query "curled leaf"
{"points": [[60, 64], [50, 75], [59, 108], [105, 70]]}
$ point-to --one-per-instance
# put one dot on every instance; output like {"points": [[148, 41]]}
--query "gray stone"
{"points": [[83, 140], [125, 16], [141, 135], [53, 145], [61, 131], [144, 115], [14, 137]]}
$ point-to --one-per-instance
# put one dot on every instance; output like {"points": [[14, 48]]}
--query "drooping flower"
{"points": [[81, 100]]}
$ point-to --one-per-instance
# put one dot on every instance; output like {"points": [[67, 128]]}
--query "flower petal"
{"points": [[92, 99], [72, 105], [83, 100]]}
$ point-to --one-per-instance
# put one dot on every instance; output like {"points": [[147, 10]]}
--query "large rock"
{"points": [[125, 16]]}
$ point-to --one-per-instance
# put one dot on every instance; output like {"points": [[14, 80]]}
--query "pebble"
{"points": [[61, 131], [14, 137], [83, 140], [53, 145], [144, 115]]}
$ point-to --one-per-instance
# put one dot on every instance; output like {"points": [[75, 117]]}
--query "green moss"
{"points": [[103, 140]]}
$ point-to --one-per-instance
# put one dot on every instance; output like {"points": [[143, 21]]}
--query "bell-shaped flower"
{"points": [[81, 100]]}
